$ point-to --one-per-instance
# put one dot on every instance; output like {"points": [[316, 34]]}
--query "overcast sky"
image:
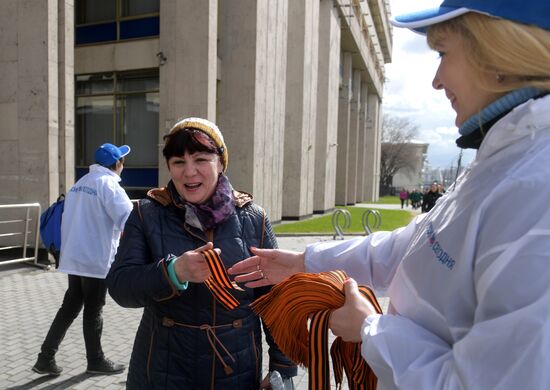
{"points": [[408, 91]]}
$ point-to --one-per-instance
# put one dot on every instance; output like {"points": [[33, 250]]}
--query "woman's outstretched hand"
{"points": [[267, 267]]}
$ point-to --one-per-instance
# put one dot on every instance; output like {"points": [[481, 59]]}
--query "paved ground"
{"points": [[29, 300]]}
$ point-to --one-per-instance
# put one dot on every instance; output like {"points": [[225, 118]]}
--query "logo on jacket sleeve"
{"points": [[441, 255], [85, 189]]}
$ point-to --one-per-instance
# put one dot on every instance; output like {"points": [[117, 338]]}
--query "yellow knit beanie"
{"points": [[210, 129]]}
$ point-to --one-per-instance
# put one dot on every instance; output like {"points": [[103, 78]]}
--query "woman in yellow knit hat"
{"points": [[197, 329]]}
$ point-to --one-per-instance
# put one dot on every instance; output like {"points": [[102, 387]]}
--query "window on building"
{"points": [[121, 108], [136, 8], [114, 20]]}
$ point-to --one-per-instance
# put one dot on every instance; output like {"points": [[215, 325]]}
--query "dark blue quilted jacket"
{"points": [[173, 349]]}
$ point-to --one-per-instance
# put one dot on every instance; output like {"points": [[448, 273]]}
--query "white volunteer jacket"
{"points": [[96, 209], [469, 282]]}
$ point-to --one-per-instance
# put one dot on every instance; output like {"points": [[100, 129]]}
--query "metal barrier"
{"points": [[26, 233], [366, 220], [338, 228]]}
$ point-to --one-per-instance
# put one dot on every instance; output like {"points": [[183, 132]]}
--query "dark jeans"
{"points": [[91, 293]]}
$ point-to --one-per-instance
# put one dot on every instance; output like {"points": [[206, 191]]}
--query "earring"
{"points": [[499, 77]]}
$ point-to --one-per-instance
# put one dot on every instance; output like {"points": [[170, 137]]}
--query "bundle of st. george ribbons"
{"points": [[304, 299]]}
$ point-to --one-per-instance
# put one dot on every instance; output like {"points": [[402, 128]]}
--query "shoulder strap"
{"points": [[263, 228], [137, 207]]}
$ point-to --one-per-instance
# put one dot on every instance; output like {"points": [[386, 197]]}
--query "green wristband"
{"points": [[181, 286]]}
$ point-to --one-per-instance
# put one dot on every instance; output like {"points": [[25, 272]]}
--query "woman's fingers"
{"points": [[267, 267], [257, 283], [253, 271], [251, 264], [245, 269], [245, 266], [205, 247], [267, 253], [192, 265], [208, 246], [347, 321], [250, 271]]}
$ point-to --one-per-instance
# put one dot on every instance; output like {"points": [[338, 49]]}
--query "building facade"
{"points": [[295, 87]]}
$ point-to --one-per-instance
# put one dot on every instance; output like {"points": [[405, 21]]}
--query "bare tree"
{"points": [[396, 152]]}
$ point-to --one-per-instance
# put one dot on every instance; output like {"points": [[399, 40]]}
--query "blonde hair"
{"points": [[518, 52]]}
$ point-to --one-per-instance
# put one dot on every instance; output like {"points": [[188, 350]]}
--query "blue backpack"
{"points": [[50, 227]]}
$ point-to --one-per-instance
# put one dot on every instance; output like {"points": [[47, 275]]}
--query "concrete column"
{"points": [[372, 162], [343, 129], [10, 160], [279, 106], [252, 51], [301, 102], [362, 145], [378, 127], [354, 137], [270, 106], [66, 94], [327, 107], [188, 40], [29, 102]]}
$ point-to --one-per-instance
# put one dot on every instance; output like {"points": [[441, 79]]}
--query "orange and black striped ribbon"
{"points": [[219, 282], [286, 310], [318, 364]]}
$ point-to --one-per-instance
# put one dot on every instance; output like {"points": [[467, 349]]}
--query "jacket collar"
{"points": [[523, 121], [96, 168], [164, 197]]}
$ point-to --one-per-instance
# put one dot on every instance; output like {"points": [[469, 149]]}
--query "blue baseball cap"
{"points": [[108, 154], [532, 12]]}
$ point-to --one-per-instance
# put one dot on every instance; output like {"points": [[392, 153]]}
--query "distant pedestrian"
{"points": [[430, 197], [96, 209], [403, 197], [416, 198]]}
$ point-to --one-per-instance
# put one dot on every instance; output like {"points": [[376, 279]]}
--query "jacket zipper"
{"points": [[256, 354], [150, 356], [212, 380], [210, 236]]}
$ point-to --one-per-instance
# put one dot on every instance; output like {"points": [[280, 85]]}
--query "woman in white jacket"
{"points": [[469, 282]]}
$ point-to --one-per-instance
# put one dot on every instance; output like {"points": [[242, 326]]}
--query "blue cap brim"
{"points": [[419, 21], [124, 150]]}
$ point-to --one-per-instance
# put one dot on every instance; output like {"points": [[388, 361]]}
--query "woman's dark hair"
{"points": [[181, 141]]}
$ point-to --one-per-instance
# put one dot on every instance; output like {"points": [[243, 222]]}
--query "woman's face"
{"points": [[457, 77], [195, 176]]}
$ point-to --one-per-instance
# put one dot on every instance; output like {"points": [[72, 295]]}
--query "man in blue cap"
{"points": [[96, 209]]}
